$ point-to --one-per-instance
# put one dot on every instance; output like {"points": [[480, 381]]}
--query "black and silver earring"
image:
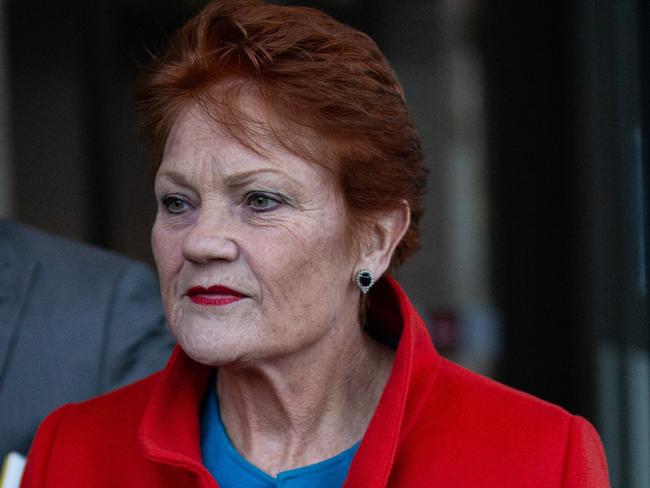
{"points": [[364, 280]]}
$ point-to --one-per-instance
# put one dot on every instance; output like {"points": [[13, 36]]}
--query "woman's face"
{"points": [[254, 259]]}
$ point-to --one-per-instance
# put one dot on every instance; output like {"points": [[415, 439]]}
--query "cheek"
{"points": [[303, 261], [311, 288]]}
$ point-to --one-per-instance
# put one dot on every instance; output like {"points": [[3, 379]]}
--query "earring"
{"points": [[364, 280]]}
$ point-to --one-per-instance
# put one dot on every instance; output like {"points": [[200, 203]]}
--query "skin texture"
{"points": [[298, 379]]}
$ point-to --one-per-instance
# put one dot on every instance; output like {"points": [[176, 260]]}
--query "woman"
{"points": [[289, 183]]}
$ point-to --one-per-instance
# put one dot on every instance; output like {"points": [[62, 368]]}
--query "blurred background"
{"points": [[535, 119]]}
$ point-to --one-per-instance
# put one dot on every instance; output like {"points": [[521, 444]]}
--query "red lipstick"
{"points": [[216, 295]]}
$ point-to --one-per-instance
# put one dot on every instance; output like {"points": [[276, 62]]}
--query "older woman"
{"points": [[289, 183]]}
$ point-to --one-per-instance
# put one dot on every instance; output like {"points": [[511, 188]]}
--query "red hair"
{"points": [[314, 73]]}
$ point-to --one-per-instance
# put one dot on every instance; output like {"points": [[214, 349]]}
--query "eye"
{"points": [[263, 202], [174, 204]]}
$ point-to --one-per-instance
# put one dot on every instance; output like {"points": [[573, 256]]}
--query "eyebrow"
{"points": [[233, 180], [240, 179]]}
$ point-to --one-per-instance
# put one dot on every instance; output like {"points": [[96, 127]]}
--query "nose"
{"points": [[210, 239]]}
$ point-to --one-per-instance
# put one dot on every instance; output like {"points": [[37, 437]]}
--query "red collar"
{"points": [[170, 431]]}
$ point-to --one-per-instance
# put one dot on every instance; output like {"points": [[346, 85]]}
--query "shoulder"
{"points": [[63, 257], [44, 246], [482, 431], [111, 415], [486, 409], [478, 408], [75, 440], [489, 399]]}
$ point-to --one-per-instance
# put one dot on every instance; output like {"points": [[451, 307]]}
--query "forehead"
{"points": [[199, 144]]}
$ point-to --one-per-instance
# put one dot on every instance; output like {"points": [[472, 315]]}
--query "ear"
{"points": [[383, 236]]}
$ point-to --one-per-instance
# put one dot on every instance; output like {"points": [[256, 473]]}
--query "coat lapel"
{"points": [[170, 432], [414, 371]]}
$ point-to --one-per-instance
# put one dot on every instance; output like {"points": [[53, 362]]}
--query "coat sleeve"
{"points": [[35, 474], [585, 465], [137, 342]]}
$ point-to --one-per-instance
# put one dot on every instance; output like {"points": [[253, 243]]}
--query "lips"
{"points": [[216, 295]]}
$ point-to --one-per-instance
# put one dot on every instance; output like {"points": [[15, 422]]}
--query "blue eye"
{"points": [[174, 204], [262, 202]]}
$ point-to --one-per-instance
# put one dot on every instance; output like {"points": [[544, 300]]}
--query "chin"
{"points": [[215, 351], [230, 354], [207, 354]]}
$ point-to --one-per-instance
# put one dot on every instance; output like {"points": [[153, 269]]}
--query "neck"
{"points": [[292, 412]]}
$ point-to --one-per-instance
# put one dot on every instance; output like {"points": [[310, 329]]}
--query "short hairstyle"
{"points": [[313, 72]]}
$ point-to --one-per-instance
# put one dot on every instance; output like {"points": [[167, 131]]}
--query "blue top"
{"points": [[231, 470]]}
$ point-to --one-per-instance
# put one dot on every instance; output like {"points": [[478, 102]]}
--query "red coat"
{"points": [[437, 425]]}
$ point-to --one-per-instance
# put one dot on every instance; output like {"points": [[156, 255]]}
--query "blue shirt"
{"points": [[231, 470]]}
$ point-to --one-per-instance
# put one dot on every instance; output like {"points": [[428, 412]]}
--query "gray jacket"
{"points": [[75, 321]]}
